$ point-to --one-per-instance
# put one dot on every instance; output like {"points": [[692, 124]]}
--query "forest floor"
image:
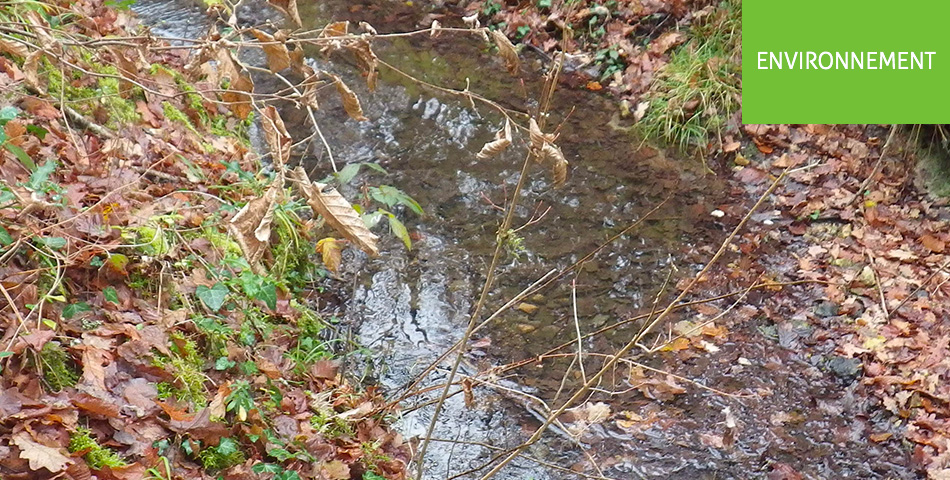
{"points": [[163, 312]]}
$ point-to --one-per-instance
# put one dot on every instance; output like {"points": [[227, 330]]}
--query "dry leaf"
{"points": [[337, 212], [666, 41], [251, 225], [289, 7], [39, 455], [932, 243], [335, 29], [277, 137], [309, 95], [537, 137], [335, 470], [278, 58], [331, 250], [364, 53], [553, 158], [31, 74], [237, 96], [351, 103], [507, 51], [501, 142], [14, 48]]}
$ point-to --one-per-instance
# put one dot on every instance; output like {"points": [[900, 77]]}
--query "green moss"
{"points": [[96, 455], [186, 364], [174, 114], [59, 370]]}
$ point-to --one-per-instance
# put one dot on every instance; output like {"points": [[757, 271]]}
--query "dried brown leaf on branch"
{"points": [[507, 51], [289, 7], [351, 103], [364, 53], [309, 95], [238, 94], [545, 152], [277, 137], [278, 57], [501, 142], [337, 212], [251, 226]]}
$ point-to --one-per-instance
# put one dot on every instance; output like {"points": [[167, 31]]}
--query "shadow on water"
{"points": [[408, 306]]}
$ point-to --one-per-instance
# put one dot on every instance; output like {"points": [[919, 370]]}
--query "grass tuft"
{"points": [[694, 95]]}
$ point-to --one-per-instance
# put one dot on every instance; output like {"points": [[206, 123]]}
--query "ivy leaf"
{"points": [[223, 363], [7, 114], [213, 297], [71, 310], [268, 295], [110, 295]]}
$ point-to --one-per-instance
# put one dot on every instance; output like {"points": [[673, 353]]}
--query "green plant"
{"points": [[186, 364], [491, 8], [695, 93], [240, 400], [226, 453], [610, 59], [95, 455]]}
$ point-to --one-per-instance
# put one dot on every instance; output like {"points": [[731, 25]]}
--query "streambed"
{"points": [[408, 306]]}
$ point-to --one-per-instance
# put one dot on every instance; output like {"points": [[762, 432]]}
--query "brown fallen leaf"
{"points": [[337, 212], [14, 48], [932, 243], [237, 95], [39, 455]]}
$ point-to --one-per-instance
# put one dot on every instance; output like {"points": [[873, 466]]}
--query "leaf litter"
{"points": [[144, 333]]}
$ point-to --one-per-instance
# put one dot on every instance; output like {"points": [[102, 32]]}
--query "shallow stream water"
{"points": [[409, 306]]}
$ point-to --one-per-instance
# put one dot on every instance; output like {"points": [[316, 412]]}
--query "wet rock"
{"points": [[527, 308], [826, 309], [844, 368]]}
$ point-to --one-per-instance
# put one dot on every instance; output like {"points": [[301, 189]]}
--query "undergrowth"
{"points": [[693, 96]]}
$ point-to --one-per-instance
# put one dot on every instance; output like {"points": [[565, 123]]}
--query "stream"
{"points": [[409, 306]]}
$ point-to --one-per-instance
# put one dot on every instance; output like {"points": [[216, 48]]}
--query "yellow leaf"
{"points": [[331, 250]]}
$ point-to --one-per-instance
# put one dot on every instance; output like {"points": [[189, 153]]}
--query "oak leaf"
{"points": [[39, 455]]}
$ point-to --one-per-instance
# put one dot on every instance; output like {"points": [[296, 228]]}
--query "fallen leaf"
{"points": [[39, 455]]}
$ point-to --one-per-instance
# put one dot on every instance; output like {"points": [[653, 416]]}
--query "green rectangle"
{"points": [[830, 93]]}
